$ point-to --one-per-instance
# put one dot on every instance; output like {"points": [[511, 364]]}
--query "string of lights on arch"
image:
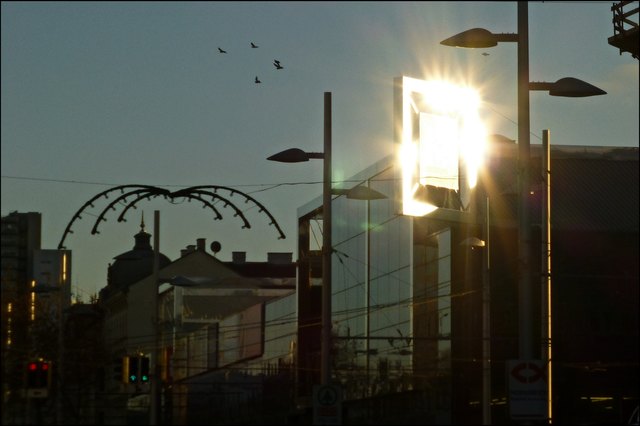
{"points": [[130, 195]]}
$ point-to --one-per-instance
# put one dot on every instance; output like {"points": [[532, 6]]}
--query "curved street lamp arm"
{"points": [[207, 204], [147, 191], [152, 191], [90, 203], [189, 192], [261, 208], [133, 203]]}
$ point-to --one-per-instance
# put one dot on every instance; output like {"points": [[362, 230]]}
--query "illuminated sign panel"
{"points": [[438, 160], [441, 144]]}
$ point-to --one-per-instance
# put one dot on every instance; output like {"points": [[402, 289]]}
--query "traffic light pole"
{"points": [[60, 370], [154, 403]]}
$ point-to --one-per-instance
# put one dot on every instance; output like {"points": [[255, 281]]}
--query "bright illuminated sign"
{"points": [[438, 151], [441, 143]]}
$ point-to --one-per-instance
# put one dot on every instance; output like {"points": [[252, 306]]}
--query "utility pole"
{"points": [[154, 403]]}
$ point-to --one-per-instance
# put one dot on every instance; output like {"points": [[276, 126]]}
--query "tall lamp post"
{"points": [[546, 263], [154, 403], [296, 155], [568, 87]]}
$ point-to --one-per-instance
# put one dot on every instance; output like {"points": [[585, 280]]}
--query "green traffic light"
{"points": [[144, 369]]}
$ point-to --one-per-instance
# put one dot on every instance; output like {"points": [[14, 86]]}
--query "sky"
{"points": [[101, 94]]}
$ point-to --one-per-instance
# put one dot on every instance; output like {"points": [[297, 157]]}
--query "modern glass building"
{"points": [[407, 294]]}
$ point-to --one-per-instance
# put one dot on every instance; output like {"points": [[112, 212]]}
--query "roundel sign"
{"points": [[528, 372], [527, 389], [327, 405]]}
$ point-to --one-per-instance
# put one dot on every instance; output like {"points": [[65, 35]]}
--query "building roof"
{"points": [[133, 265], [262, 269], [217, 289]]}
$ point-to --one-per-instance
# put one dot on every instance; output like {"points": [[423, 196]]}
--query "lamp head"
{"points": [[364, 193], [292, 155], [473, 242], [475, 37], [359, 192], [574, 88]]}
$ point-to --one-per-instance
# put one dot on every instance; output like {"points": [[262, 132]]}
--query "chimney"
{"points": [[239, 256], [200, 242], [189, 249], [279, 258]]}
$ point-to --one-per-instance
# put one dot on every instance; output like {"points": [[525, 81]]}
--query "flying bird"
{"points": [[277, 65], [257, 80], [221, 50], [485, 54], [253, 46]]}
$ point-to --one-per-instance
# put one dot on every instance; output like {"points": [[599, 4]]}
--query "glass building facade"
{"points": [[407, 295], [391, 302]]}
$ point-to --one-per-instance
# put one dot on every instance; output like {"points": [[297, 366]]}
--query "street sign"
{"points": [[527, 389], [327, 405]]}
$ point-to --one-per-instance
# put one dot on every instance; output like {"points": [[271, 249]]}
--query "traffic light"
{"points": [[38, 374], [144, 369], [119, 373], [133, 369]]}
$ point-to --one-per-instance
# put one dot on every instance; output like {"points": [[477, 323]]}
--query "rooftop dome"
{"points": [[134, 265]]}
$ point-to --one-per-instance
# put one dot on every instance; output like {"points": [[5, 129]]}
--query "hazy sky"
{"points": [[101, 94]]}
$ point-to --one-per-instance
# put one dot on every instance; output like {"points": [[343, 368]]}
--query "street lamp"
{"points": [[359, 192], [568, 87], [479, 37], [295, 155]]}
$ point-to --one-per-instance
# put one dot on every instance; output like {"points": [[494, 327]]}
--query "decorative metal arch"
{"points": [[144, 192]]}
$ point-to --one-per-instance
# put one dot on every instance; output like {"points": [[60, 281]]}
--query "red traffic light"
{"points": [[40, 365], [38, 374]]}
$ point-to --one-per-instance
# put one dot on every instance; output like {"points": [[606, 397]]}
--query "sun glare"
{"points": [[441, 133]]}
